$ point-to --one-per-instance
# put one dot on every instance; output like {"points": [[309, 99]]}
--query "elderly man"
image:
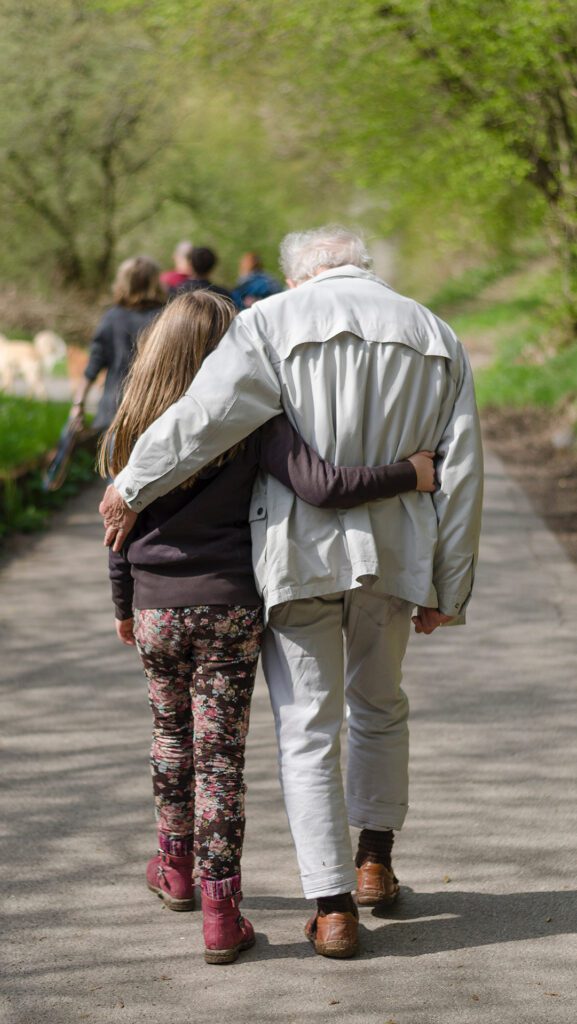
{"points": [[366, 376]]}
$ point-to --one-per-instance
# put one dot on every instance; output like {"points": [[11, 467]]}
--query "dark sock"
{"points": [[342, 904], [375, 846]]}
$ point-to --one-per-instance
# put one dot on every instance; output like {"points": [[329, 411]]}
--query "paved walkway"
{"points": [[486, 927]]}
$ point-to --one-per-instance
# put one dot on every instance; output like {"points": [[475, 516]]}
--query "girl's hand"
{"points": [[425, 469], [125, 631]]}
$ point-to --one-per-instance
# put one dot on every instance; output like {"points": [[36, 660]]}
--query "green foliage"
{"points": [[82, 122], [467, 286], [526, 383], [28, 429], [503, 314], [26, 507], [121, 135], [463, 116], [448, 124], [18, 513], [512, 315]]}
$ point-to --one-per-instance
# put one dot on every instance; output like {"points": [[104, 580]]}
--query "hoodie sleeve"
{"points": [[285, 455], [121, 583]]}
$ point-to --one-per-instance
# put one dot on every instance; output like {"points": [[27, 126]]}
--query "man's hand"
{"points": [[118, 518], [427, 619], [125, 631]]}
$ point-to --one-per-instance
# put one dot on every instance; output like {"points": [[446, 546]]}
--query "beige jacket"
{"points": [[368, 377]]}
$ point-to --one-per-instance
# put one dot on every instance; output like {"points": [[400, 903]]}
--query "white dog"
{"points": [[30, 360]]}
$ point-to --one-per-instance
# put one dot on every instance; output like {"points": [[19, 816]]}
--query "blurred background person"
{"points": [[253, 283], [202, 262], [173, 279], [138, 296]]}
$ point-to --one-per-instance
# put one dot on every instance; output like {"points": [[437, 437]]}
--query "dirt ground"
{"points": [[549, 476]]}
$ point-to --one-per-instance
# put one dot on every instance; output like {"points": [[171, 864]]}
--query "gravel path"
{"points": [[485, 930]]}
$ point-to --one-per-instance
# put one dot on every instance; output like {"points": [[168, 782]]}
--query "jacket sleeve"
{"points": [[235, 391], [458, 500], [285, 455], [122, 584], [100, 350]]}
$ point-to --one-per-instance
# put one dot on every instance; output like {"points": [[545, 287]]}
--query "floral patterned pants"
{"points": [[200, 664]]}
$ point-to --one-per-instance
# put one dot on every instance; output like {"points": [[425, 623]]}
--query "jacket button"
{"points": [[260, 511]]}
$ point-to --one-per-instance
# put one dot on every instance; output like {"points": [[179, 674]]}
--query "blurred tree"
{"points": [[505, 77], [462, 111], [448, 122], [85, 113], [115, 127]]}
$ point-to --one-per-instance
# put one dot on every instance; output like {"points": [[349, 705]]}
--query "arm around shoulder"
{"points": [[235, 391], [288, 457]]}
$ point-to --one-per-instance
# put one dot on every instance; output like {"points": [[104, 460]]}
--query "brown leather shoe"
{"points": [[335, 934], [376, 885]]}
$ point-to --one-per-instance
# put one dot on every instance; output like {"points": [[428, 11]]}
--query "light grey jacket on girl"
{"points": [[367, 376]]}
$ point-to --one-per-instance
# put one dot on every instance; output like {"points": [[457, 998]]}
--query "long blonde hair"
{"points": [[169, 355]]}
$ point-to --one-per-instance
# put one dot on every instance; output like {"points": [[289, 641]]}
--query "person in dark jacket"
{"points": [[202, 262], [138, 297], [184, 590]]}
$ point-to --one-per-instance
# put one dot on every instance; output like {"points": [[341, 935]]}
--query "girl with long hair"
{"points": [[184, 592]]}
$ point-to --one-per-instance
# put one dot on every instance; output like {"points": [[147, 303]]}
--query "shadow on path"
{"points": [[425, 923]]}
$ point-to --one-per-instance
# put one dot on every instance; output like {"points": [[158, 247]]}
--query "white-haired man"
{"points": [[367, 377]]}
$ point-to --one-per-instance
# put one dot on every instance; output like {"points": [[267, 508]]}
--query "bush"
{"points": [[519, 384], [28, 431]]}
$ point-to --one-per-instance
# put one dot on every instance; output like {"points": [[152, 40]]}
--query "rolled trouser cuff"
{"points": [[376, 815], [331, 882]]}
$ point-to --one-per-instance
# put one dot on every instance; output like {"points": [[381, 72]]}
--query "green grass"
{"points": [[60, 369], [497, 315], [530, 368], [28, 428], [16, 333], [25, 506], [469, 285], [519, 384]]}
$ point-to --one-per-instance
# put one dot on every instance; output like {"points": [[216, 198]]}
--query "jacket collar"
{"points": [[293, 318], [348, 270]]}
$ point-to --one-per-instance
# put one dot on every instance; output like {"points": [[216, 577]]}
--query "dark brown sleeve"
{"points": [[285, 455], [122, 584]]}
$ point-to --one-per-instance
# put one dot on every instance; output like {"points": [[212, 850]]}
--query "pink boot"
{"points": [[226, 931], [170, 878]]}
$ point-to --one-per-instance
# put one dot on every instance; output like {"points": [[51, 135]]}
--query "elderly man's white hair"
{"points": [[304, 254]]}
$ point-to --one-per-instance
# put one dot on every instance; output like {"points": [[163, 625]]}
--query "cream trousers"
{"points": [[310, 674]]}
